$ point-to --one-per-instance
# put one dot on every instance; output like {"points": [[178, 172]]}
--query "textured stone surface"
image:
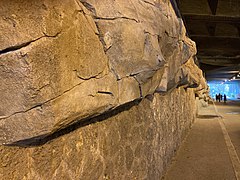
{"points": [[47, 75], [135, 141], [78, 88], [79, 59]]}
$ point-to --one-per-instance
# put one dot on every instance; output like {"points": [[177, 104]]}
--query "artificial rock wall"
{"points": [[65, 65], [136, 141]]}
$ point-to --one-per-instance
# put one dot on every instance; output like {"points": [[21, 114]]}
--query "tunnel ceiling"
{"points": [[215, 27]]}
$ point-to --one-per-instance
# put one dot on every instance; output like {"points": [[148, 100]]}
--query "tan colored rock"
{"points": [[85, 100], [129, 90], [121, 146], [51, 65], [66, 61], [34, 77], [17, 27]]}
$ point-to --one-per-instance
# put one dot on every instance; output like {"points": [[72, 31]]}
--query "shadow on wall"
{"points": [[41, 140]]}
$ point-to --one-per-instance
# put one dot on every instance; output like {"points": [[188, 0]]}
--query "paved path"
{"points": [[212, 149]]}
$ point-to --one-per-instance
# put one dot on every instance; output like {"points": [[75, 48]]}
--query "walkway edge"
{"points": [[231, 149]]}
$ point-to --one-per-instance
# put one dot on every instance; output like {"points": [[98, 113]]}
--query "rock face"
{"points": [[135, 141], [94, 89], [65, 61]]}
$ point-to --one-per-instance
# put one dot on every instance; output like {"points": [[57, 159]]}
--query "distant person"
{"points": [[225, 98], [216, 97], [219, 97]]}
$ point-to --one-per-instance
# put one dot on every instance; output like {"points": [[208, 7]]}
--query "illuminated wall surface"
{"points": [[231, 89]]}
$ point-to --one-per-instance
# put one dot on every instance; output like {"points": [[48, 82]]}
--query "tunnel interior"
{"points": [[111, 89], [215, 27]]}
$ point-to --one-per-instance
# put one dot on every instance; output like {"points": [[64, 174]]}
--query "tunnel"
{"points": [[119, 89]]}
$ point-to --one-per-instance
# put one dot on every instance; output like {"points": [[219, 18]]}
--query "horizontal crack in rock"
{"points": [[148, 3], [42, 139], [102, 93], [105, 92], [41, 104], [17, 47], [25, 44], [116, 18], [90, 77]]}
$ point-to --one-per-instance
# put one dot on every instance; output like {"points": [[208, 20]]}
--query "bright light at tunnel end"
{"points": [[229, 87]]}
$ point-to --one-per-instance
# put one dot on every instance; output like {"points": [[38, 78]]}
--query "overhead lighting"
{"points": [[234, 77]]}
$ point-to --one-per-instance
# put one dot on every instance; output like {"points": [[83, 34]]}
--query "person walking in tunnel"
{"points": [[216, 97], [224, 98], [219, 97]]}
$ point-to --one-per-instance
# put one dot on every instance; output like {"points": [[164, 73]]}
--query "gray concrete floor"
{"points": [[211, 150]]}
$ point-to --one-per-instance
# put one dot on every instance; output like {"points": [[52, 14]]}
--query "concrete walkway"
{"points": [[212, 148]]}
